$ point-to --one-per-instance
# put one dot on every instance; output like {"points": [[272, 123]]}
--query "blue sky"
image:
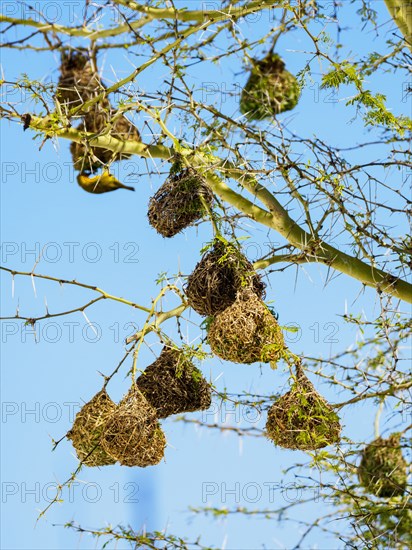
{"points": [[106, 240]]}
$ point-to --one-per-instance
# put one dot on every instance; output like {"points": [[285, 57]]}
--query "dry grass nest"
{"points": [[179, 202], [78, 80], [217, 278], [246, 332], [133, 435], [173, 385], [100, 120], [270, 89], [87, 429], [302, 419], [383, 470]]}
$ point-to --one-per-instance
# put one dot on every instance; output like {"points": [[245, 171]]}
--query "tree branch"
{"points": [[276, 217], [401, 13], [229, 12], [103, 293]]}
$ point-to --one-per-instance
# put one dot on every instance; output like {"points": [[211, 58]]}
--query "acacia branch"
{"points": [[161, 317], [83, 32], [33, 320], [228, 12], [104, 294], [209, 16], [401, 13], [276, 217], [252, 431], [282, 258], [136, 540], [391, 391]]}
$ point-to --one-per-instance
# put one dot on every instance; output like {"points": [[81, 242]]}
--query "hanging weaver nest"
{"points": [[302, 419], [217, 278], [270, 90], [179, 202], [98, 121], [246, 332], [87, 429], [133, 435], [173, 385], [78, 80], [383, 470]]}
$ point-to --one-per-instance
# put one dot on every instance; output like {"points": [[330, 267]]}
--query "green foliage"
{"points": [[343, 73], [377, 113]]}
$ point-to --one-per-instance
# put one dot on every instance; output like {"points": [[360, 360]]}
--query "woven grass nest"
{"points": [[270, 89], [218, 277], [78, 80], [178, 203], [246, 332], [87, 429], [383, 470], [173, 385], [302, 419], [133, 435], [99, 120]]}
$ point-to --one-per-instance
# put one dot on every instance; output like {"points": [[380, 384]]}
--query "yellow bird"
{"points": [[101, 184]]}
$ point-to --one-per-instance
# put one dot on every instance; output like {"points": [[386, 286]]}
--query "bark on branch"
{"points": [[275, 217]]}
